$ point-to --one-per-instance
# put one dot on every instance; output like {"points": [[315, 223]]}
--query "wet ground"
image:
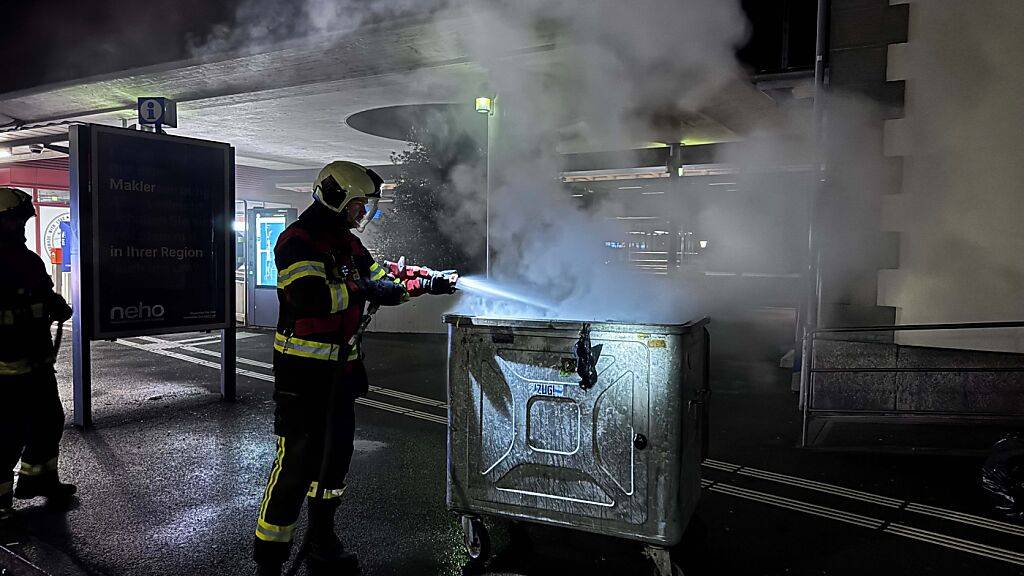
{"points": [[170, 477]]}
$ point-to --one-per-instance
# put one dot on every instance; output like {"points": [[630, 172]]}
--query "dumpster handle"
{"points": [[586, 359]]}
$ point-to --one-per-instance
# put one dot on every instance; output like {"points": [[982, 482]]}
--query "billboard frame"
{"points": [[84, 255]]}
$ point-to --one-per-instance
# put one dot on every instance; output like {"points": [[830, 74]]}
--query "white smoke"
{"points": [[612, 73], [601, 74]]}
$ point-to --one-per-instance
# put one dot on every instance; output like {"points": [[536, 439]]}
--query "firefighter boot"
{"points": [[268, 569], [269, 556], [327, 554], [46, 484]]}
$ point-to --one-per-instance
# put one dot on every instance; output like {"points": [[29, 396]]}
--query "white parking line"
{"points": [[957, 543], [903, 530], [163, 352], [820, 487], [376, 389], [955, 516], [791, 504], [943, 513], [269, 378], [161, 344], [869, 522], [197, 341]]}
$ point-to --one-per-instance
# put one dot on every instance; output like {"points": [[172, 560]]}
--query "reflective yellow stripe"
{"points": [[273, 532], [27, 469], [275, 471], [377, 272], [9, 316], [328, 494], [300, 269], [15, 367], [339, 297], [354, 354], [305, 348]]}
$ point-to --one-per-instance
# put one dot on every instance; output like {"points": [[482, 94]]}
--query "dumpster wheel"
{"points": [[662, 560], [475, 538]]}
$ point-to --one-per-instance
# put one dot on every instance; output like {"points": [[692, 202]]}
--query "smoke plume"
{"points": [[610, 73]]}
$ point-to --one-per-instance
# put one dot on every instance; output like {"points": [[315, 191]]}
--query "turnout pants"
{"points": [[302, 397], [31, 426]]}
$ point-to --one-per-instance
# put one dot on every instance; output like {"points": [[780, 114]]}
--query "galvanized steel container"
{"points": [[526, 441]]}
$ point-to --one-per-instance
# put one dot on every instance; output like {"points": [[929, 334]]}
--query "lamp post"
{"points": [[486, 105]]}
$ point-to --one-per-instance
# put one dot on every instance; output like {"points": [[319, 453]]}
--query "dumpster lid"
{"points": [[574, 325]]}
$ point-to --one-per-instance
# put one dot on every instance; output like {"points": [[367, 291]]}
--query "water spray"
{"points": [[488, 289]]}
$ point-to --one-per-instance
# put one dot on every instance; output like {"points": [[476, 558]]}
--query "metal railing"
{"points": [[808, 369]]}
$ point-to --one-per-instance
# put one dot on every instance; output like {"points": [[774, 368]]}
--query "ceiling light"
{"points": [[484, 105]]}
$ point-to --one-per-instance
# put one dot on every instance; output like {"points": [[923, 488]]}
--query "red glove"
{"points": [[419, 280]]}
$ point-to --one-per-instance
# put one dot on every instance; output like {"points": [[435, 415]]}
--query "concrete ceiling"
{"points": [[282, 108], [286, 107]]}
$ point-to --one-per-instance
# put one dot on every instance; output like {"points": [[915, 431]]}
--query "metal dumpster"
{"points": [[593, 426]]}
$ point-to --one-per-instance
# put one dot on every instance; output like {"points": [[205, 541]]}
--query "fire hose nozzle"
{"points": [[451, 277]]}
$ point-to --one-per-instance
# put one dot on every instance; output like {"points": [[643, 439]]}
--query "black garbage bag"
{"points": [[1002, 476]]}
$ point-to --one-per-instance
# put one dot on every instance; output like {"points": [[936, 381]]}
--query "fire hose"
{"points": [[325, 459]]}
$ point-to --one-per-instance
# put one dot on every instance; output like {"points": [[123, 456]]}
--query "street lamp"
{"points": [[484, 105]]}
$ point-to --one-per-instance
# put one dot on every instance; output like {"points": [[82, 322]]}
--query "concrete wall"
{"points": [[419, 316], [959, 213]]}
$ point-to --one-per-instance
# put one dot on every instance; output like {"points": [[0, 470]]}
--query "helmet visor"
{"points": [[370, 214]]}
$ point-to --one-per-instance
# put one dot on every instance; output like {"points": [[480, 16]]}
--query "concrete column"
{"points": [[677, 230], [853, 245]]}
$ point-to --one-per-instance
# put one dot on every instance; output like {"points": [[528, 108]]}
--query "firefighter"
{"points": [[326, 279], [31, 415]]}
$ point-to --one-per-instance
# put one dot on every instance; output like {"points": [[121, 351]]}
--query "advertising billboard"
{"points": [[160, 240]]}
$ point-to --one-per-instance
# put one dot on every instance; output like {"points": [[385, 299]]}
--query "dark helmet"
{"points": [[15, 203]]}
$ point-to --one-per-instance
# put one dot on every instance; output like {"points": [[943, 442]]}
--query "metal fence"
{"points": [[809, 369]]}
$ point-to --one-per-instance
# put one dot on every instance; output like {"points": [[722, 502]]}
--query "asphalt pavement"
{"points": [[170, 477]]}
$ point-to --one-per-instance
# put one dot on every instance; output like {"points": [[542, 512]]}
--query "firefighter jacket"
{"points": [[27, 307], [318, 272]]}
